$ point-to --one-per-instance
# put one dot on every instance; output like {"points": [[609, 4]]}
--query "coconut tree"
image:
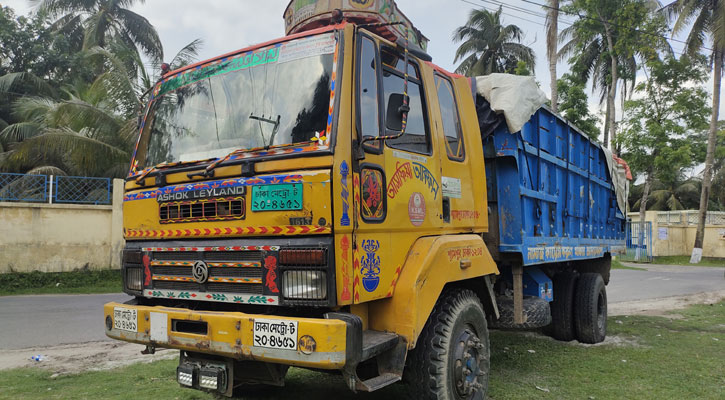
{"points": [[98, 22], [606, 41], [488, 46], [86, 129], [706, 22]]}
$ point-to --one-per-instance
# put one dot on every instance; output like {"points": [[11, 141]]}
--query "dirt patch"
{"points": [[662, 306], [80, 357]]}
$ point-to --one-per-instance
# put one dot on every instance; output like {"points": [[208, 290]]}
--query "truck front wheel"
{"points": [[452, 357], [590, 308]]}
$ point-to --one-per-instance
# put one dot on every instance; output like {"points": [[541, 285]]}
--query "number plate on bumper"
{"points": [[125, 319], [275, 334]]}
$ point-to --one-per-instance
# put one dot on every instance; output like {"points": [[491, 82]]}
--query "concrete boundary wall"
{"points": [[61, 237], [673, 232]]}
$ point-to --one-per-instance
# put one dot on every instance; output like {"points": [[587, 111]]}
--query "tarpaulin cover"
{"points": [[516, 97]]}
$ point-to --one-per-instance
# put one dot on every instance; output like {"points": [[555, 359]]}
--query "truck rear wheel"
{"points": [[452, 357], [562, 308], [590, 309]]}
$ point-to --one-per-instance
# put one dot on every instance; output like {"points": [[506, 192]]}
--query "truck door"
{"points": [[456, 176], [396, 181]]}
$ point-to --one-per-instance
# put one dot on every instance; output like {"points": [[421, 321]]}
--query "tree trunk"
{"points": [[606, 124], [552, 35], [642, 214], [612, 92], [709, 159]]}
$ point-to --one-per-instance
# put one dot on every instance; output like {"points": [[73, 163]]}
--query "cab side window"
{"points": [[449, 116], [416, 138], [368, 90]]}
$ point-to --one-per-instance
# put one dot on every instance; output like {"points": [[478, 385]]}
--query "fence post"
{"points": [[50, 191]]}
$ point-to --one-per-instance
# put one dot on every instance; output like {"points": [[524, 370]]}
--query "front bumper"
{"points": [[230, 334]]}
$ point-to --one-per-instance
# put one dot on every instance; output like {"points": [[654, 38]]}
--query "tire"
{"points": [[562, 308], [452, 357], [590, 309], [536, 312]]}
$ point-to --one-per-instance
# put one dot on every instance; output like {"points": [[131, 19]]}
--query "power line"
{"points": [[611, 23], [503, 5], [510, 15]]}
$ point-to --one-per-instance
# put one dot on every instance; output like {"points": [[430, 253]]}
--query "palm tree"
{"points": [[85, 129], [707, 21], [604, 45], [680, 194], [99, 22], [488, 46], [552, 44]]}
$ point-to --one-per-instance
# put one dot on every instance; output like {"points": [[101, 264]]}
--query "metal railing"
{"points": [[55, 189], [689, 217], [635, 251]]}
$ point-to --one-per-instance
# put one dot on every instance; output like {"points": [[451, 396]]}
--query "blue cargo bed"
{"points": [[550, 193]]}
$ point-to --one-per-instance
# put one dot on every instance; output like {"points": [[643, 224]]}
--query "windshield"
{"points": [[271, 96]]}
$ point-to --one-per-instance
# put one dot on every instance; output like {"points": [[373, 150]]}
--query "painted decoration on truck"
{"points": [[370, 265], [344, 194], [404, 172], [181, 192], [242, 61], [372, 205], [344, 247], [232, 231], [270, 281], [211, 296]]}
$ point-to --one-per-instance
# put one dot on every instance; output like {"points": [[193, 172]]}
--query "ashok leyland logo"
{"points": [[200, 271]]}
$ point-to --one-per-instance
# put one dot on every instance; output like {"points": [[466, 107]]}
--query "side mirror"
{"points": [[394, 113]]}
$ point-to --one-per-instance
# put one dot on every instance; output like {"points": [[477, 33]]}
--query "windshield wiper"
{"points": [[164, 165], [275, 122], [209, 170]]}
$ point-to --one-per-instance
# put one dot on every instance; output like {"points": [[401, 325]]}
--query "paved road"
{"points": [[662, 281], [27, 321]]}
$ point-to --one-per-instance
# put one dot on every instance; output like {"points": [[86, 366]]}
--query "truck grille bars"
{"points": [[239, 274]]}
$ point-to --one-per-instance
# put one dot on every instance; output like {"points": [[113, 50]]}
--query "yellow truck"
{"points": [[332, 200]]}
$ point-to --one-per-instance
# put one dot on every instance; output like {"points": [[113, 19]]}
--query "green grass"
{"points": [[76, 282], [685, 260], [616, 264], [651, 358]]}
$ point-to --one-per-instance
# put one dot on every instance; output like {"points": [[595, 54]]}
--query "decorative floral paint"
{"points": [[370, 265]]}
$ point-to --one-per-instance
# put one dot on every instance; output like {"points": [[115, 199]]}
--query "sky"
{"points": [[227, 25]]}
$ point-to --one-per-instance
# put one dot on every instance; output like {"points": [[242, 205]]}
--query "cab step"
{"points": [[389, 352], [378, 382], [376, 342]]}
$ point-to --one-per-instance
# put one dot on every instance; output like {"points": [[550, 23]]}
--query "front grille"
{"points": [[237, 272], [220, 209]]}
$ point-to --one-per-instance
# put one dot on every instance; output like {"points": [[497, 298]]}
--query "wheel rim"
{"points": [[601, 312], [468, 356]]}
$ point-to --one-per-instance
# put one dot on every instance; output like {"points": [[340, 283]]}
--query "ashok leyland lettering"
{"points": [[333, 200]]}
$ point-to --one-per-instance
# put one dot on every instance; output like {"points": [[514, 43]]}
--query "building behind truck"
{"points": [[334, 200]]}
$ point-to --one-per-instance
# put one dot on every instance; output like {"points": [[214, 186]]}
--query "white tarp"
{"points": [[619, 180], [517, 97]]}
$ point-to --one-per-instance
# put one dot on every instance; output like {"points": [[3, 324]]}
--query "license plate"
{"points": [[285, 196], [125, 319], [275, 334]]}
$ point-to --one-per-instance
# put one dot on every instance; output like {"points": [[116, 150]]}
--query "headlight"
{"points": [[304, 285], [134, 278]]}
